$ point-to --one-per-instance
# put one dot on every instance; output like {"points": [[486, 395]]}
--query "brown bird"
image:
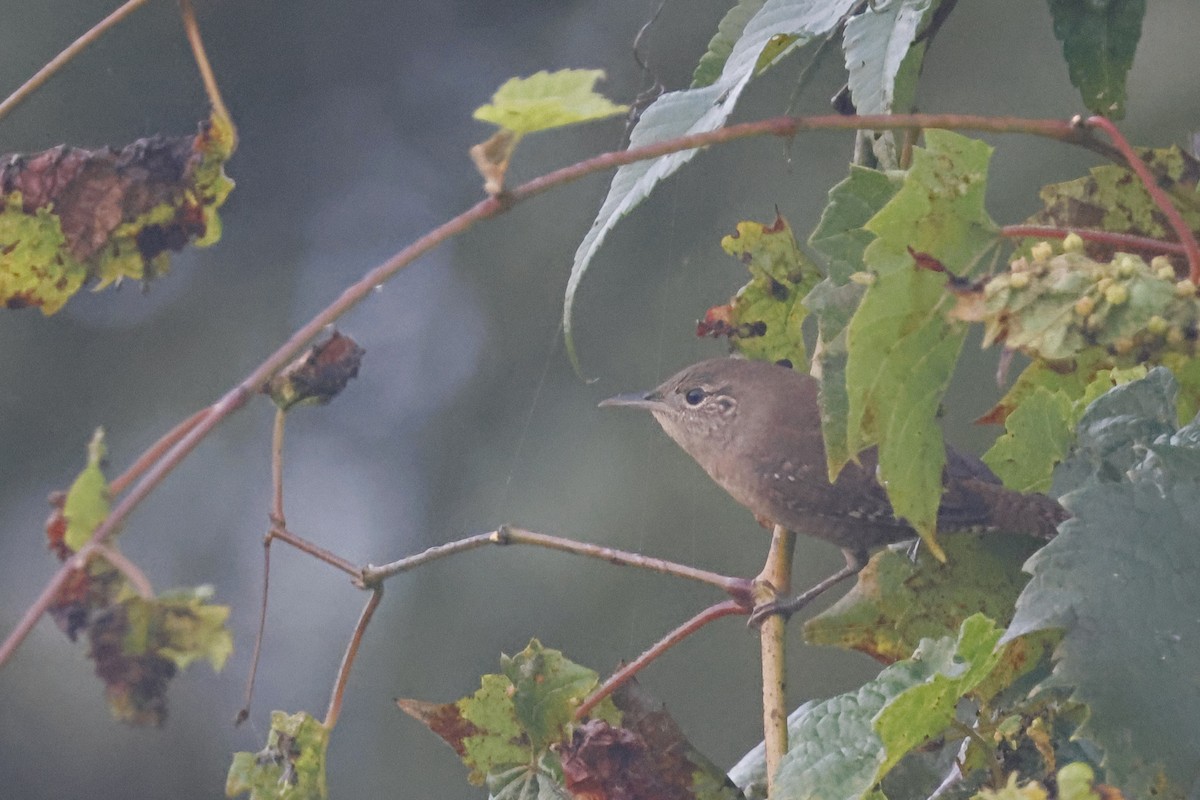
{"points": [[755, 429]]}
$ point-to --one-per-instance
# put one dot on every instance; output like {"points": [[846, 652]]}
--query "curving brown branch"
{"points": [[67, 55], [238, 396]]}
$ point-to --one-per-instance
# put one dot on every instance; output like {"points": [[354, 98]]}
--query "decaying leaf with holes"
{"points": [[763, 321], [71, 217], [138, 642], [1112, 199]]}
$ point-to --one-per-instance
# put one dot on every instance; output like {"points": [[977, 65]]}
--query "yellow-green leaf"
{"points": [[87, 501], [548, 100]]}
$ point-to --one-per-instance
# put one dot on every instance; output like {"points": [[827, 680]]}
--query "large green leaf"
{"points": [[697, 110], [897, 600], [1120, 581], [1099, 39], [902, 347], [842, 747]]}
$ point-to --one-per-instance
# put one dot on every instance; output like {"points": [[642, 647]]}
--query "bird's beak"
{"points": [[651, 401]]}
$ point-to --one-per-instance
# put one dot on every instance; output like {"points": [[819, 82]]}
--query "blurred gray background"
{"points": [[355, 120]]}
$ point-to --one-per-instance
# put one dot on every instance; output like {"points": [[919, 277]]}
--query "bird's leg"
{"points": [[855, 561]]}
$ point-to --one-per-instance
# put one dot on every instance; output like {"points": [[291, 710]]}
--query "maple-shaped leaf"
{"points": [[70, 217], [1118, 580], [547, 100], [540, 102], [290, 767], [504, 732], [763, 321], [902, 346]]}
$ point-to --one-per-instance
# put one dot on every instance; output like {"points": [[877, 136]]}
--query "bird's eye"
{"points": [[694, 396]]}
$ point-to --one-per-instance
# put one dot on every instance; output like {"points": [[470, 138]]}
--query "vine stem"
{"points": [[238, 396], [1100, 237], [1135, 162], [67, 55], [192, 31], [625, 673], [343, 675], [277, 522], [774, 582]]}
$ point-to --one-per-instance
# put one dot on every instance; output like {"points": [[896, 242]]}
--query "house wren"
{"points": [[755, 429]]}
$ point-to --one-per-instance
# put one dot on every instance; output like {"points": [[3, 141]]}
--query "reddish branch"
{"points": [[1135, 163]]}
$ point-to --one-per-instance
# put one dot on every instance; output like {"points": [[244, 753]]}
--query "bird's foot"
{"points": [[855, 561]]}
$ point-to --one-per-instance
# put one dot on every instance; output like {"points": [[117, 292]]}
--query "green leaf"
{"points": [[547, 100], [505, 730], [924, 711], [764, 319], [1099, 40], [841, 238], [883, 59], [1119, 581], [842, 747], [290, 767], [729, 30], [939, 209], [1037, 437], [833, 306], [87, 501], [902, 347], [695, 111], [69, 216], [897, 601]]}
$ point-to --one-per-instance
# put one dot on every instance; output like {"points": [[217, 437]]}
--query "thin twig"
{"points": [[248, 696], [774, 582], [240, 395], [155, 452], [506, 535], [192, 31], [339, 685], [278, 522], [1101, 237], [67, 55], [317, 552], [131, 571], [622, 676], [1135, 162]]}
